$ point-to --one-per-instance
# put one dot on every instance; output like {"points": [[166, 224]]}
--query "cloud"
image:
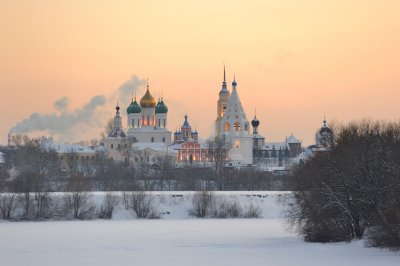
{"points": [[61, 104], [71, 125]]}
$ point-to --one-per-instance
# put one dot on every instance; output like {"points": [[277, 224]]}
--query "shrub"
{"points": [[109, 204], [142, 204]]}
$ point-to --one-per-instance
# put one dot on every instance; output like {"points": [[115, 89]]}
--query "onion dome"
{"points": [[161, 108], [147, 100], [134, 108], [186, 122], [234, 83], [325, 128], [255, 122]]}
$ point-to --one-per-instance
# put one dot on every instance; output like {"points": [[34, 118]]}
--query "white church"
{"points": [[232, 126]]}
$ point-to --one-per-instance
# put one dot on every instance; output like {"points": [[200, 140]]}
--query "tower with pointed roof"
{"points": [[235, 130], [222, 104]]}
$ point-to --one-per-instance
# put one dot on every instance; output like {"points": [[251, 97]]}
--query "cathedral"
{"points": [[147, 137]]}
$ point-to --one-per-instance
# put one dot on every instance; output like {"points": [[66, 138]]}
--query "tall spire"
{"points": [[224, 74], [224, 82]]}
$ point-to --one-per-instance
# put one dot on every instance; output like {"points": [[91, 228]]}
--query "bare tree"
{"points": [[217, 152], [109, 204], [143, 205], [355, 186], [78, 200]]}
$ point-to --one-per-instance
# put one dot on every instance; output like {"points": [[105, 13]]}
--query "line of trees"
{"points": [[30, 168], [352, 190]]}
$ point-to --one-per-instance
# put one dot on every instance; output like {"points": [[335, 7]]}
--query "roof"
{"points": [[117, 133], [293, 139], [72, 148], [64, 147], [277, 145], [155, 146]]}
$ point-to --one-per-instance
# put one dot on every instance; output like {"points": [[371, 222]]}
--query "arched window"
{"points": [[237, 126], [133, 122], [159, 122], [227, 126], [148, 120], [164, 122], [152, 139]]}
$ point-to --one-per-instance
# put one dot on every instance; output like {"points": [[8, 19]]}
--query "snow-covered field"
{"points": [[178, 239]]}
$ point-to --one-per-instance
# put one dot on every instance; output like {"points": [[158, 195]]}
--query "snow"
{"points": [[178, 239]]}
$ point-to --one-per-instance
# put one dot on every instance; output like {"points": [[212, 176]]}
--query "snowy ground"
{"points": [[177, 240]]}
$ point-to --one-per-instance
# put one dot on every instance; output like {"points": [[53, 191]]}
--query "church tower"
{"points": [[235, 129], [221, 106]]}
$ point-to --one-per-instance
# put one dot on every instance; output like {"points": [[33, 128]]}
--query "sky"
{"points": [[64, 64]]}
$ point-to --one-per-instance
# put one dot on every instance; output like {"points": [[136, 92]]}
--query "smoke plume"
{"points": [[73, 125]]}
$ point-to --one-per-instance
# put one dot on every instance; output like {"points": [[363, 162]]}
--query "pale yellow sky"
{"points": [[294, 60]]}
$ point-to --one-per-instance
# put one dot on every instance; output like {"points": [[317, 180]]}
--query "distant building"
{"points": [[233, 127], [147, 136], [186, 143], [274, 156]]}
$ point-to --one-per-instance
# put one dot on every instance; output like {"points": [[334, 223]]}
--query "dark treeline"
{"points": [[30, 168], [352, 190]]}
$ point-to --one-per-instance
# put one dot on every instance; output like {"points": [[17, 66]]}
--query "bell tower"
{"points": [[222, 103]]}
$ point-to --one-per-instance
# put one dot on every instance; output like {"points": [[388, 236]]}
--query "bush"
{"points": [[8, 204], [109, 204], [203, 204], [252, 211], [79, 203], [142, 204], [227, 209]]}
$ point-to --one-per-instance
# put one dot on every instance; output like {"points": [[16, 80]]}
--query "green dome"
{"points": [[134, 107], [161, 108]]}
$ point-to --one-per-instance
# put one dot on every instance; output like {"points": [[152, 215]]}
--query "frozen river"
{"points": [[175, 242]]}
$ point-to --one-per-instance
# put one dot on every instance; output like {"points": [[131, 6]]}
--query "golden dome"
{"points": [[147, 100]]}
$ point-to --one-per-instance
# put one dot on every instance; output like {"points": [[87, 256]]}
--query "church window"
{"points": [[163, 139], [154, 159], [148, 120], [133, 122], [164, 122], [138, 123], [227, 126], [62, 158], [152, 139], [112, 146], [237, 126], [159, 122]]}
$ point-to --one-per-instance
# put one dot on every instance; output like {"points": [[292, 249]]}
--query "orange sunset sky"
{"points": [[294, 61]]}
